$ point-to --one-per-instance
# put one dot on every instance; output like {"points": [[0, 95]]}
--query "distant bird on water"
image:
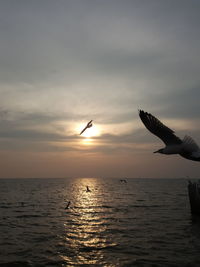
{"points": [[88, 189], [87, 126], [123, 181], [187, 148], [67, 207]]}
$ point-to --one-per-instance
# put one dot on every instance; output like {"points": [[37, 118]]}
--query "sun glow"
{"points": [[87, 137], [86, 141], [89, 132]]}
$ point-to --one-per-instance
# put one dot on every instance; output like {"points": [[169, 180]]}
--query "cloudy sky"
{"points": [[65, 62]]}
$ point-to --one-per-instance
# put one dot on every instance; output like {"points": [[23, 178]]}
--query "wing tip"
{"points": [[141, 112], [144, 115]]}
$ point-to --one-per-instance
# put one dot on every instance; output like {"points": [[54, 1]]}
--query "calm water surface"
{"points": [[144, 222]]}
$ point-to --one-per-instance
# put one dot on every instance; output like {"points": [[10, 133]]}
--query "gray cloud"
{"points": [[182, 103], [42, 40]]}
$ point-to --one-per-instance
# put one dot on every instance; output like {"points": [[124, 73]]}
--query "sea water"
{"points": [[137, 222]]}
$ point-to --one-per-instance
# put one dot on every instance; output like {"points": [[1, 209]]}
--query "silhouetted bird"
{"points": [[88, 189], [67, 207], [187, 148], [87, 126]]}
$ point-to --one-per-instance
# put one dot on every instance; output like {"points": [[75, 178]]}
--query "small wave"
{"points": [[19, 211], [146, 262], [16, 264], [147, 206], [29, 216], [100, 247], [93, 207]]}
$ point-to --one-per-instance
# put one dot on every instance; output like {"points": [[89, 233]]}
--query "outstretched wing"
{"points": [[189, 144], [83, 130], [159, 129]]}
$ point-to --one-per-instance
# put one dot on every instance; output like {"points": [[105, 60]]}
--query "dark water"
{"points": [[144, 222]]}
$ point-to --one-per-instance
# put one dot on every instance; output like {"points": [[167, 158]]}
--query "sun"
{"points": [[89, 132]]}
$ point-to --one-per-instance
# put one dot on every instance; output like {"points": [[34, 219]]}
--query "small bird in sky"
{"points": [[187, 148], [87, 126]]}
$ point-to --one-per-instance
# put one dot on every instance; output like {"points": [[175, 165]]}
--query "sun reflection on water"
{"points": [[86, 225]]}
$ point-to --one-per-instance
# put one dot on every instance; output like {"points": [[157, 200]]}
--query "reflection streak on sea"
{"points": [[85, 226]]}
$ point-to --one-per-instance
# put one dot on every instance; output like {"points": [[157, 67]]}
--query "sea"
{"points": [[108, 222]]}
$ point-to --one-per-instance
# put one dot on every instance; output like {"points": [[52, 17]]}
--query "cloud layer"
{"points": [[65, 62]]}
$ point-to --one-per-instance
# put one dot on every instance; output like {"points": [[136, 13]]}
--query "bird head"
{"points": [[159, 151]]}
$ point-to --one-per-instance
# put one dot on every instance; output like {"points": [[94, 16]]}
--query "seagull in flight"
{"points": [[187, 148], [87, 126]]}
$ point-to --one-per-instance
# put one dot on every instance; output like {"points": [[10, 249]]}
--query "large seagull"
{"points": [[187, 148]]}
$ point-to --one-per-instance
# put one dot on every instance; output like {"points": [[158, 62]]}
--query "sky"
{"points": [[66, 62]]}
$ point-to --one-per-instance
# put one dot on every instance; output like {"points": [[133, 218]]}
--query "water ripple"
{"points": [[143, 223]]}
